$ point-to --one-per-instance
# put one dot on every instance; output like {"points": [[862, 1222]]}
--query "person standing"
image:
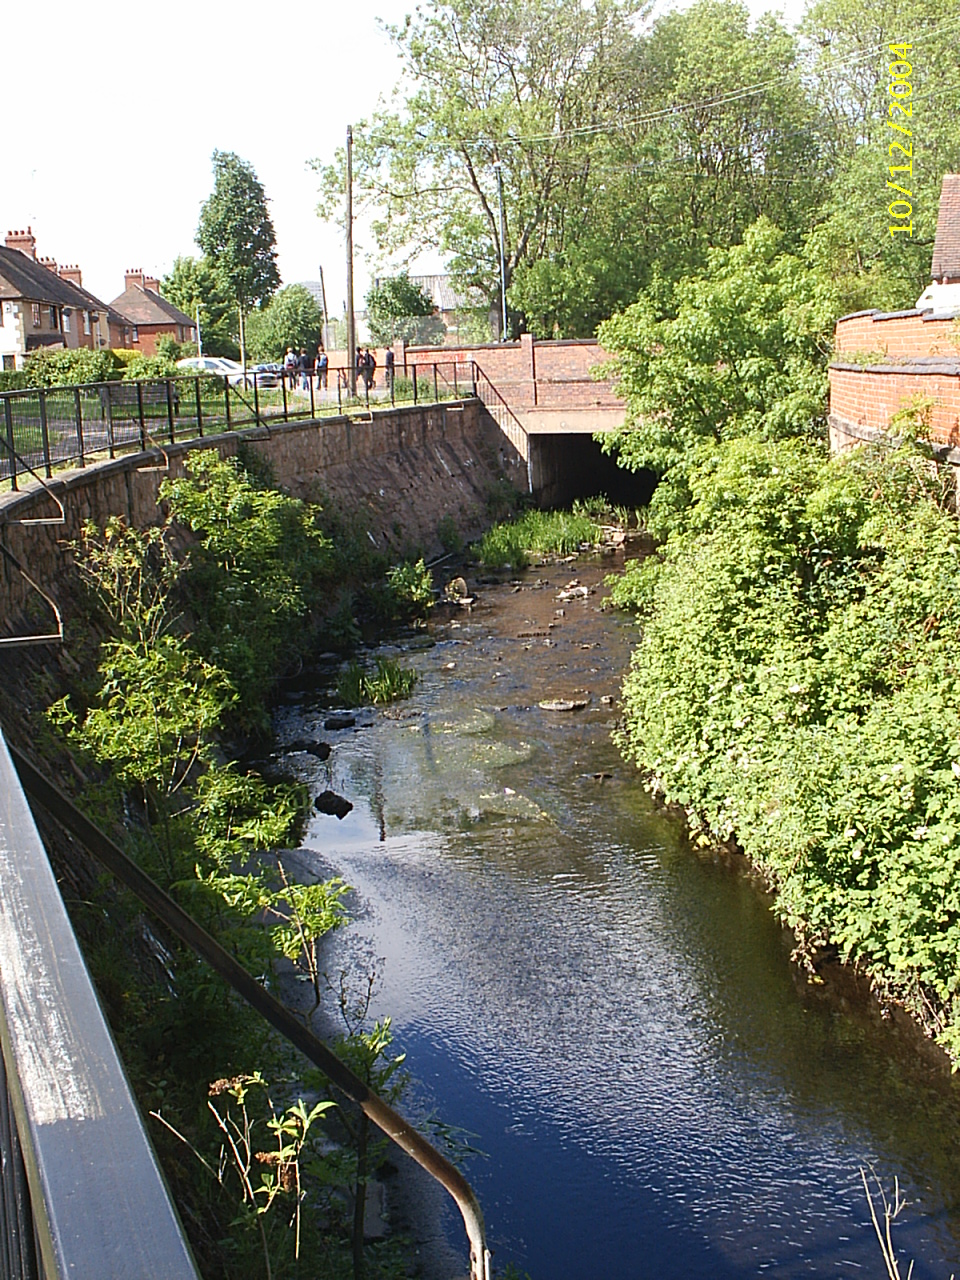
{"points": [[305, 368], [290, 368], [388, 362], [322, 364]]}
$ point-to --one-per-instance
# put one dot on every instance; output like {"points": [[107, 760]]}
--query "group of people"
{"points": [[302, 368]]}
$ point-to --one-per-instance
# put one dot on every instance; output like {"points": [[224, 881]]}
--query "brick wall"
{"points": [[400, 472], [903, 333], [866, 399], [533, 374]]}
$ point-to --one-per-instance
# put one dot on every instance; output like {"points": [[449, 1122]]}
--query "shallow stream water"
{"points": [[612, 1017]]}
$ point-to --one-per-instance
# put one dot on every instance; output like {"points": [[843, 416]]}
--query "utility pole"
{"points": [[323, 308], [199, 334], [503, 258], [351, 324]]}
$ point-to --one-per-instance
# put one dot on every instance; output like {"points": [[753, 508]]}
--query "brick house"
{"points": [[149, 314], [43, 305], [886, 361]]}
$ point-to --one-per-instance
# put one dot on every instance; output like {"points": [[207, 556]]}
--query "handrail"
{"points": [[18, 642], [290, 1026], [96, 1203]]}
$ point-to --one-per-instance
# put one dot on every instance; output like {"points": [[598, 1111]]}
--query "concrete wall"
{"points": [[401, 471]]}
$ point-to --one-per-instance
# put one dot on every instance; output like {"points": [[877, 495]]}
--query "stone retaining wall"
{"points": [[401, 471]]}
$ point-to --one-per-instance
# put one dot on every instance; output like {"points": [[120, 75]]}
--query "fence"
{"points": [[44, 428]]}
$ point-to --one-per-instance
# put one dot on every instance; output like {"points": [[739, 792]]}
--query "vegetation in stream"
{"points": [[511, 543], [387, 682]]}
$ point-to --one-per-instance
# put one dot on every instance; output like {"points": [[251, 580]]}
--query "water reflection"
{"points": [[614, 1017]]}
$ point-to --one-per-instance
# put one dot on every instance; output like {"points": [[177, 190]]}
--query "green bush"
{"points": [[388, 682], [57, 367], [796, 687]]}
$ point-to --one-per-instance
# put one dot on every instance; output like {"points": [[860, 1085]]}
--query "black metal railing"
{"points": [[48, 427]]}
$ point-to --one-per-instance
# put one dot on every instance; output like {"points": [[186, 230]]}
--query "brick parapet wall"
{"points": [[534, 374], [867, 398], [400, 472], [896, 334]]}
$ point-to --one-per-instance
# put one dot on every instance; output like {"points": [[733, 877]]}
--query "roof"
{"points": [[23, 277], [146, 306], [445, 297], [946, 247]]}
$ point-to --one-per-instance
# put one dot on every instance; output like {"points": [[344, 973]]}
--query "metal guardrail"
{"points": [[288, 1024], [82, 1193], [46, 427]]}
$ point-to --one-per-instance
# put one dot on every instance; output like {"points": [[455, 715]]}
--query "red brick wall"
{"points": [[531, 374], [896, 335], [868, 398]]}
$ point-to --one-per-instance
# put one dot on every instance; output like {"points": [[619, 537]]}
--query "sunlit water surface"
{"points": [[613, 1018]]}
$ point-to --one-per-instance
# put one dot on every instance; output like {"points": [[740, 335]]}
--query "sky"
{"points": [[114, 115]]}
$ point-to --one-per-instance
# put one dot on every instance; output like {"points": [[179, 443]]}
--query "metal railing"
{"points": [[81, 1193], [45, 1014], [47, 427]]}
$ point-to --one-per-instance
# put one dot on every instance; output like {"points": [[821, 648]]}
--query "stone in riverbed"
{"points": [[319, 749], [564, 704], [330, 802], [342, 721]]}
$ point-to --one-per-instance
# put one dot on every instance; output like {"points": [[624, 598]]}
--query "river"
{"points": [[612, 1017]]}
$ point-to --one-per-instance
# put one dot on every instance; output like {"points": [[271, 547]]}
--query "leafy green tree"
{"points": [[399, 309], [850, 63], [519, 83], [740, 349], [236, 233], [195, 283], [291, 318]]}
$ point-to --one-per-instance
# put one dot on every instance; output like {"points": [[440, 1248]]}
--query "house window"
{"points": [[86, 322], [136, 334], [66, 321], [53, 318], [9, 362], [36, 315]]}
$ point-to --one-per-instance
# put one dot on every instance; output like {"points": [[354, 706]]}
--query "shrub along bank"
{"points": [[196, 615], [797, 686]]}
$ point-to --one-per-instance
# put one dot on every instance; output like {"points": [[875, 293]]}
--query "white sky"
{"points": [[112, 112]]}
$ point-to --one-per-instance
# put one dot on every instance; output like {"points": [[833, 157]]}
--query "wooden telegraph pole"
{"points": [[351, 324]]}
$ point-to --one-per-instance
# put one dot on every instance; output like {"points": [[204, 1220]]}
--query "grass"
{"points": [[542, 532], [388, 682]]}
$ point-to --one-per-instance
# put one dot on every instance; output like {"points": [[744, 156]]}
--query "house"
{"points": [[149, 314], [451, 305], [43, 305], [885, 362]]}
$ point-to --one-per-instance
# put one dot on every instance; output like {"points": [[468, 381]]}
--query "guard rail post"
{"points": [[79, 412], [44, 433], [8, 422]]}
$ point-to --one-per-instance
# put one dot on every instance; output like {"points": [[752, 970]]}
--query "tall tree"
{"points": [[517, 83], [236, 233], [851, 63], [193, 283], [398, 308]]}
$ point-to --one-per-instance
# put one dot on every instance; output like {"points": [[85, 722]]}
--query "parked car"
{"points": [[229, 369], [267, 375]]}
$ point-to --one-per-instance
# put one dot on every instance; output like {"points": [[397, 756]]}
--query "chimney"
{"points": [[49, 263], [24, 241], [151, 282], [72, 274], [133, 276]]}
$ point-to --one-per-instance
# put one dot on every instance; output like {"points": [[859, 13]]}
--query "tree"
{"points": [[851, 64], [519, 83], [738, 350], [291, 318], [195, 283], [236, 233], [399, 309]]}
